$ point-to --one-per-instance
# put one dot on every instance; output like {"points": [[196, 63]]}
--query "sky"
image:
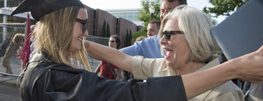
{"points": [[136, 4]]}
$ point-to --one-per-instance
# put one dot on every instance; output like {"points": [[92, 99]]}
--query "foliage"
{"points": [[108, 30], [130, 34], [142, 32], [224, 7], [213, 20], [104, 29], [127, 39], [144, 13], [145, 16]]}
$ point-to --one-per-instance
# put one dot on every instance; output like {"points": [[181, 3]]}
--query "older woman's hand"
{"points": [[250, 66]]}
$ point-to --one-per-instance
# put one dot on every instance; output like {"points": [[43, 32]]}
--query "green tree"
{"points": [[213, 20], [108, 30], [130, 35], [144, 13], [224, 7], [145, 16], [104, 29], [142, 32], [127, 39]]}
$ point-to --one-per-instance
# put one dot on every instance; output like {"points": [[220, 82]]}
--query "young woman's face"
{"points": [[177, 49], [78, 34], [112, 43]]}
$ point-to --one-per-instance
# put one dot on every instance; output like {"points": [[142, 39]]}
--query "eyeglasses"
{"points": [[167, 34], [111, 41], [84, 23]]}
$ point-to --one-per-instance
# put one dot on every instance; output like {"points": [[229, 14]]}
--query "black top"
{"points": [[48, 81]]}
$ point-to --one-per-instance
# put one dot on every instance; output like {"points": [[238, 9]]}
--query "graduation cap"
{"points": [[242, 32], [39, 8]]}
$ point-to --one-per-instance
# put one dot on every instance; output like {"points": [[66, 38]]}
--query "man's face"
{"points": [[152, 29], [166, 7]]}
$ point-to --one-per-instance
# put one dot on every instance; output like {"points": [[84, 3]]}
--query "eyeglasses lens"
{"points": [[84, 23], [167, 34]]}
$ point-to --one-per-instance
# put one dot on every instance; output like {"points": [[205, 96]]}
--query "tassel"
{"points": [[24, 54]]}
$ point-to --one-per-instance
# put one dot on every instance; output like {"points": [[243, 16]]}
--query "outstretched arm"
{"points": [[111, 55], [247, 68]]}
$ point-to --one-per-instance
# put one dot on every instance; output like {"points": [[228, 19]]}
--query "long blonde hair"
{"points": [[54, 34]]}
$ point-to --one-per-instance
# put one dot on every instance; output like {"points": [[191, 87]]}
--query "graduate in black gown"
{"points": [[51, 75]]}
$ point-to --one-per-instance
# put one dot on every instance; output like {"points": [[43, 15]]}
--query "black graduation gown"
{"points": [[49, 81]]}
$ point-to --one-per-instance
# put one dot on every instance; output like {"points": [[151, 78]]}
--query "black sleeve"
{"points": [[76, 86]]}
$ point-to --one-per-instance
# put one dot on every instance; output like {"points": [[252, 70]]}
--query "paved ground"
{"points": [[9, 93], [15, 64]]}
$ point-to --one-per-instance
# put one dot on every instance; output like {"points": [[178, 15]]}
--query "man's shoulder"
{"points": [[150, 39]]}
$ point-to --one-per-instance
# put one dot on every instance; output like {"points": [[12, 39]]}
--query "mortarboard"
{"points": [[39, 8], [242, 32]]}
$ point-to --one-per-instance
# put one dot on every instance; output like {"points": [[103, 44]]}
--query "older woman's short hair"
{"points": [[196, 26]]}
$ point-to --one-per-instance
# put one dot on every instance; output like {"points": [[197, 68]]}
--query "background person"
{"points": [[153, 28], [17, 41], [4, 45], [106, 69]]}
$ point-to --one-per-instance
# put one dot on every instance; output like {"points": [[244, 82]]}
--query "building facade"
{"points": [[128, 14], [117, 24]]}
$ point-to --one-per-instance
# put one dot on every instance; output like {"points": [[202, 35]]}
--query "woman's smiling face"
{"points": [[78, 34], [177, 49]]}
